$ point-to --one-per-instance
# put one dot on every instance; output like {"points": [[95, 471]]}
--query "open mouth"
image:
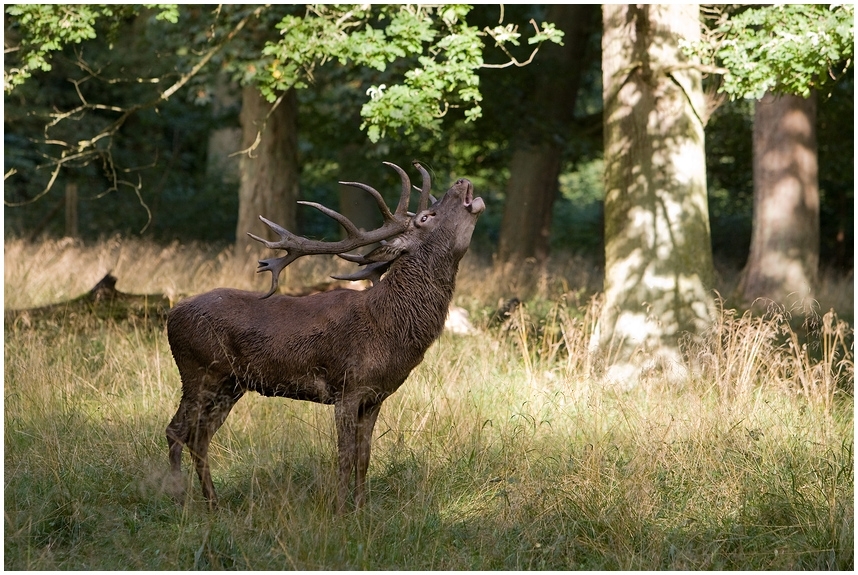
{"points": [[469, 193], [472, 204]]}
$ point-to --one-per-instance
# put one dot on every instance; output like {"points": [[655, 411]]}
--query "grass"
{"points": [[499, 452]]}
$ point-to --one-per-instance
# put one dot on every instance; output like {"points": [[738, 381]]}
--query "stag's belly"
{"points": [[313, 388], [321, 381]]}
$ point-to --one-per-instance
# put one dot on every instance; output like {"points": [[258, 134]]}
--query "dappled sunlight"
{"points": [[658, 255], [508, 448]]}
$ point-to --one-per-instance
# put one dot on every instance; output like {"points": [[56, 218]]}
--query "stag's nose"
{"points": [[473, 205], [477, 206]]}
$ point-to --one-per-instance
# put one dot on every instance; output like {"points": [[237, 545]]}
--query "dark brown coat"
{"points": [[349, 348]]}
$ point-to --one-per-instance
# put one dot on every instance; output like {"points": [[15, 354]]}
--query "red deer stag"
{"points": [[348, 348]]}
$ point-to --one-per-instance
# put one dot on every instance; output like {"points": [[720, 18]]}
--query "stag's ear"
{"points": [[386, 252], [377, 261], [371, 272]]}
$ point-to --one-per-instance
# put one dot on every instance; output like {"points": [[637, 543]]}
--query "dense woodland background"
{"points": [[509, 447], [173, 157]]}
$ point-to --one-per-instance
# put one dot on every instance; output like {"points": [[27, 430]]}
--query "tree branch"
{"points": [[512, 60], [85, 149]]}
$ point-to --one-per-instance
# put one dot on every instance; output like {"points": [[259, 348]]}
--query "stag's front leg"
{"points": [[345, 414], [365, 424]]}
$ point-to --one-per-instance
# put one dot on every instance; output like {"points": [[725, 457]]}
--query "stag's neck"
{"points": [[414, 297]]}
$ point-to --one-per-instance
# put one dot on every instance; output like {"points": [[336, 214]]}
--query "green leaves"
{"points": [[446, 53], [783, 49], [436, 52], [49, 28], [46, 28]]}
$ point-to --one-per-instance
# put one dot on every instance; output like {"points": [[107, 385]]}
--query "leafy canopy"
{"points": [[444, 54], [790, 49], [441, 51], [46, 28]]}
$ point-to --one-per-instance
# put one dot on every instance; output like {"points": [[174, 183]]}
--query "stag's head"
{"points": [[445, 225], [454, 216]]}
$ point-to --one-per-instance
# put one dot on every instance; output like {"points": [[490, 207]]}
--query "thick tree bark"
{"points": [[658, 254], [536, 161], [784, 255], [269, 174]]}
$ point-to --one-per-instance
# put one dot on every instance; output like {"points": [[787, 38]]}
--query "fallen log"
{"points": [[102, 302]]}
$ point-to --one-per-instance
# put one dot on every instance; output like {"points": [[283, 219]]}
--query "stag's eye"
{"points": [[423, 218]]}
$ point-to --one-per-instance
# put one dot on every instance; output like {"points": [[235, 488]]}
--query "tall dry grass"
{"points": [[501, 451]]}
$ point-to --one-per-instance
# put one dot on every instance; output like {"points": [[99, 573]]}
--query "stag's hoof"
{"points": [[174, 486]]}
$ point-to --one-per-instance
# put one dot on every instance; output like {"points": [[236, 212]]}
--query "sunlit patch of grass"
{"points": [[501, 451]]}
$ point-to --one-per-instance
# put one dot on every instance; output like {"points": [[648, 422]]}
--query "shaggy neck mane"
{"points": [[415, 295]]}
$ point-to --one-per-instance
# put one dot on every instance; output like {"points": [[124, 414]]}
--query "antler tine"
{"points": [[385, 211], [285, 235], [425, 186], [275, 266], [402, 207], [351, 230]]}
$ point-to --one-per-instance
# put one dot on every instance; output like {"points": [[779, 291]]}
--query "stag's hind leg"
{"points": [[199, 416], [178, 432], [212, 415]]}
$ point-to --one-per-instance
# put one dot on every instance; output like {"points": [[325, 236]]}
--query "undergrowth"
{"points": [[501, 451]]}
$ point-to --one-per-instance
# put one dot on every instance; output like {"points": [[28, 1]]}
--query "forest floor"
{"points": [[502, 450]]}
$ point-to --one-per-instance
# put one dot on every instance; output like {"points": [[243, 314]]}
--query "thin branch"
{"points": [[83, 65], [256, 142], [47, 189], [85, 149], [205, 59], [512, 59]]}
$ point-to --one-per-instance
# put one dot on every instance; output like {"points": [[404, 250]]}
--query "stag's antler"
{"points": [[297, 246]]}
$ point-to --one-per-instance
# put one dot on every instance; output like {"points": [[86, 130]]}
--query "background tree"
{"points": [[784, 255], [269, 171], [539, 145], [658, 259], [781, 56]]}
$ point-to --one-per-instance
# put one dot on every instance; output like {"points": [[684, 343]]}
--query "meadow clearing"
{"points": [[502, 450]]}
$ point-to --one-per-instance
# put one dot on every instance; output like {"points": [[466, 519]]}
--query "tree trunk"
{"points": [[530, 194], [784, 256], [357, 205], [71, 210], [269, 174], [224, 140], [658, 254], [536, 161]]}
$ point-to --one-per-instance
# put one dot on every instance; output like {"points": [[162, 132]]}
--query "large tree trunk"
{"points": [[225, 140], [784, 256], [658, 254], [530, 194], [536, 161], [269, 174], [355, 204]]}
